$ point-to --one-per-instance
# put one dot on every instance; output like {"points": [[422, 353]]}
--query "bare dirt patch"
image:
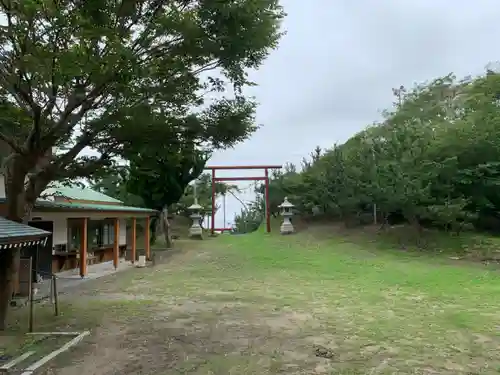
{"points": [[207, 340], [175, 334]]}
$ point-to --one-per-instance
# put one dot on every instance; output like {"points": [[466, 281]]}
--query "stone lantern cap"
{"points": [[195, 207], [286, 204]]}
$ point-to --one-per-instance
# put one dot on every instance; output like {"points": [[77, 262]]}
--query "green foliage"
{"points": [[433, 160], [160, 178], [115, 185], [250, 218], [203, 193], [118, 76], [161, 170]]}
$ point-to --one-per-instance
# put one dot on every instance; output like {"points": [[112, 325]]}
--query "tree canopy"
{"points": [[111, 74], [114, 184], [432, 161]]}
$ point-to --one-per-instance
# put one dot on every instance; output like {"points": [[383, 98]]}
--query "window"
{"points": [[74, 234], [105, 232], [100, 233], [109, 233], [94, 233]]}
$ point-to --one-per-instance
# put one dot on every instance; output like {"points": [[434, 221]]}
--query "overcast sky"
{"points": [[333, 72]]}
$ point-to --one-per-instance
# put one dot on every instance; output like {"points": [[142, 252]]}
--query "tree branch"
{"points": [[11, 142], [65, 124], [53, 86], [83, 169], [20, 51], [62, 160]]}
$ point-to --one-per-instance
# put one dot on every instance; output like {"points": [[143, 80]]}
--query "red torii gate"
{"points": [[265, 178]]}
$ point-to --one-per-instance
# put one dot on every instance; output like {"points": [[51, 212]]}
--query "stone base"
{"points": [[196, 233], [286, 228]]}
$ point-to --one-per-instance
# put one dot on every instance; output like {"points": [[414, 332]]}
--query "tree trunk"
{"points": [[166, 227], [153, 230], [18, 211], [21, 199], [385, 222], [9, 264]]}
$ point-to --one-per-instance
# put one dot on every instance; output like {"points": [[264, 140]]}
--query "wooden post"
{"points": [[56, 298], [31, 302], [268, 211], [212, 225], [134, 239], [146, 245], [83, 248], [116, 244]]}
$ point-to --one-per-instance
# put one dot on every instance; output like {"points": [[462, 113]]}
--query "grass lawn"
{"points": [[259, 304]]}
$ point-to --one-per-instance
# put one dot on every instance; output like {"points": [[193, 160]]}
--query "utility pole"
{"points": [[195, 193]]}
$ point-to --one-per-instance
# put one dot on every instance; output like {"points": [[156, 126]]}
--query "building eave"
{"points": [[48, 206]]}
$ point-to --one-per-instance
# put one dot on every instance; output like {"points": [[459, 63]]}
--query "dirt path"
{"points": [[173, 333]]}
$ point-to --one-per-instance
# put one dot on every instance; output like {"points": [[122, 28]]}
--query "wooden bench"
{"points": [[92, 259]]}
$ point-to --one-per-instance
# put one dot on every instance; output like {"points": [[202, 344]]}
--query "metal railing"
{"points": [[53, 296]]}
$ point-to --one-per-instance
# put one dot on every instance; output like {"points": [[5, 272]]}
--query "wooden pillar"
{"points": [[146, 245], [116, 244], [134, 239], [212, 225], [268, 211], [83, 248]]}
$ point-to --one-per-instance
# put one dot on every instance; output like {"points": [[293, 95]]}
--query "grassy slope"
{"points": [[257, 304], [413, 305]]}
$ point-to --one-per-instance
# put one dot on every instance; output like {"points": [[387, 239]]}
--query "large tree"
{"points": [[95, 73], [161, 170]]}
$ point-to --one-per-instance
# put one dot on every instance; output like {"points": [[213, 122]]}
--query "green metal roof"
{"points": [[71, 206], [12, 232], [44, 205], [78, 193]]}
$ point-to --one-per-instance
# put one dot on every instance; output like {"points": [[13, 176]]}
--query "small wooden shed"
{"points": [[21, 236], [13, 235]]}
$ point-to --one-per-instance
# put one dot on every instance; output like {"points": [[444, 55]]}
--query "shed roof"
{"points": [[78, 193], [73, 206], [44, 205], [12, 233]]}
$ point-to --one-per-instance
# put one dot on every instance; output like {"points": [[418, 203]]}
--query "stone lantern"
{"points": [[196, 231], [287, 213]]}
